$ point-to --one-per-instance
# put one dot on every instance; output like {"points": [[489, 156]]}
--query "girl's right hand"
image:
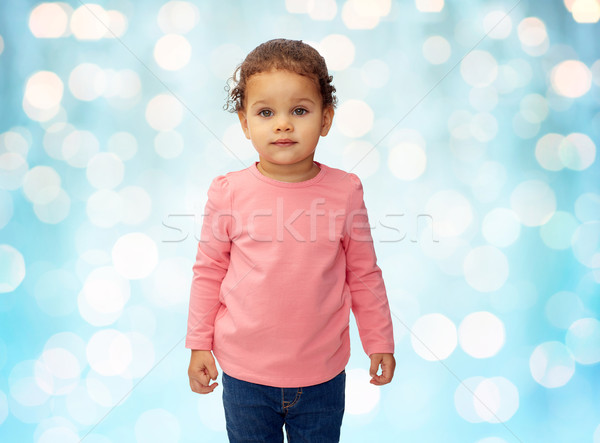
{"points": [[202, 369]]}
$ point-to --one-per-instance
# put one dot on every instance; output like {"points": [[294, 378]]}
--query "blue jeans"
{"points": [[257, 413]]}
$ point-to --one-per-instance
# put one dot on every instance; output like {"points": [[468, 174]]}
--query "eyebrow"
{"points": [[299, 99]]}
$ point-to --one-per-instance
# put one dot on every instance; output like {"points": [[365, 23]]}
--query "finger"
{"points": [[201, 377], [200, 389], [374, 366], [212, 371]]}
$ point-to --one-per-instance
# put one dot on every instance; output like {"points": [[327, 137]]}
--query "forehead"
{"points": [[278, 83]]}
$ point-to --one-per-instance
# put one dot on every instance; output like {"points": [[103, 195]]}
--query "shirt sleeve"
{"points": [[210, 267], [364, 277]]}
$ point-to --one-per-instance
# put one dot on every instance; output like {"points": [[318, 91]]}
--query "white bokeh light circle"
{"points": [[486, 268], [497, 24], [62, 434], [354, 118], [463, 399], [135, 255], [479, 68], [172, 52], [63, 367], [105, 290], [361, 157], [138, 318], [451, 211], [44, 90], [55, 210], [12, 268], [361, 396], [356, 16], [552, 364], [481, 334], [375, 73], [501, 227], [483, 99], [533, 36], [547, 151], [3, 407], [496, 399], [436, 50], [164, 112], [88, 22], [122, 144], [523, 127], [157, 425], [571, 78], [585, 244], [105, 208], [87, 81], [178, 17], [13, 168], [483, 126], [55, 292], [533, 201], [212, 414], [78, 147], [235, 144], [169, 285], [325, 10], [429, 5], [48, 20], [534, 108], [106, 390], [168, 144], [223, 57], [82, 408], [41, 184], [587, 206], [24, 385], [137, 205], [577, 151], [564, 308], [433, 337], [17, 139], [6, 208], [583, 340], [338, 51], [407, 161], [142, 354], [459, 124], [532, 31], [558, 231], [105, 170], [109, 352]]}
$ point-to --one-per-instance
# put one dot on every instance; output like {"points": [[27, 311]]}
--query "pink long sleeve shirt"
{"points": [[278, 268]]}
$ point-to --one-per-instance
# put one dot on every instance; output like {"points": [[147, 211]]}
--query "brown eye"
{"points": [[304, 111], [265, 110]]}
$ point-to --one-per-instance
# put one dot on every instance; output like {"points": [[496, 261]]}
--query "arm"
{"points": [[210, 267], [364, 277]]}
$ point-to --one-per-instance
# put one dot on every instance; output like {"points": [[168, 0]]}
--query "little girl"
{"points": [[285, 252]]}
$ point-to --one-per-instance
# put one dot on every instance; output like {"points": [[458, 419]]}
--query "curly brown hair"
{"points": [[280, 53]]}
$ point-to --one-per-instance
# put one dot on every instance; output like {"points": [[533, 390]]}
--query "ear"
{"points": [[327, 120], [244, 123]]}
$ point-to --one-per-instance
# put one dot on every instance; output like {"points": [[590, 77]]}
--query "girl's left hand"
{"points": [[388, 365]]}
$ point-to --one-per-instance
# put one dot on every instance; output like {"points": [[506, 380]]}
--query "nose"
{"points": [[282, 123]]}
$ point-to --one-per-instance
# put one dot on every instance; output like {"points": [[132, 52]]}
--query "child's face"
{"points": [[284, 105]]}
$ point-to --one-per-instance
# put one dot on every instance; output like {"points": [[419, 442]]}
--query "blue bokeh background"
{"points": [[473, 125]]}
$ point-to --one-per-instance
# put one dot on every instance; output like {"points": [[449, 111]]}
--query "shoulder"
{"points": [[347, 180]]}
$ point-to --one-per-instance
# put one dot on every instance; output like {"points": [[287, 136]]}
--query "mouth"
{"points": [[284, 142]]}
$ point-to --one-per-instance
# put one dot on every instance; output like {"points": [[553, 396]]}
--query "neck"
{"points": [[289, 173]]}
